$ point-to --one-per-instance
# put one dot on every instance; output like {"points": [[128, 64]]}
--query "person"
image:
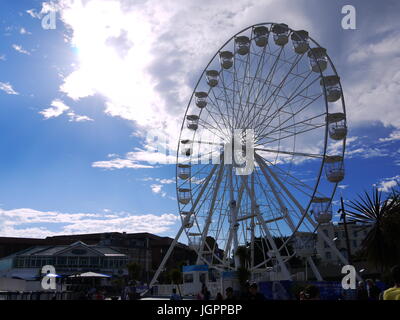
{"points": [[373, 290], [394, 292], [174, 295], [206, 294], [362, 293], [311, 292], [245, 291], [229, 294], [254, 295], [219, 296]]}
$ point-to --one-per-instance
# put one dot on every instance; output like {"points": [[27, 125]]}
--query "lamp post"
{"points": [[343, 217]]}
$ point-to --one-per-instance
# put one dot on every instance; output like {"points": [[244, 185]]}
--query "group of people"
{"points": [[250, 293], [366, 290]]}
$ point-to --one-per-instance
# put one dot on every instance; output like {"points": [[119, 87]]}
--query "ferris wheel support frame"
{"points": [[210, 213], [271, 241], [329, 241], [174, 242]]}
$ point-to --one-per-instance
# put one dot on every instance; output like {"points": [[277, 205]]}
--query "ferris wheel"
{"points": [[277, 89]]}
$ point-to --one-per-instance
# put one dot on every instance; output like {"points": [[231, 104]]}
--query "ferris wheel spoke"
{"points": [[293, 134], [281, 84], [221, 132], [242, 85], [271, 72], [304, 154], [291, 116], [260, 63], [215, 103], [304, 122], [230, 106], [296, 182], [288, 102]]}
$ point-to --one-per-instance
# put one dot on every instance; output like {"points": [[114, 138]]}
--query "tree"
{"points": [[381, 246], [176, 278], [134, 270], [242, 272]]}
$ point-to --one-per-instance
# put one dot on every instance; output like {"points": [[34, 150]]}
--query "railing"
{"points": [[38, 295]]}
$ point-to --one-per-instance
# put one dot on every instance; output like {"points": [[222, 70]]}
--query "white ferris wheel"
{"points": [[279, 86]]}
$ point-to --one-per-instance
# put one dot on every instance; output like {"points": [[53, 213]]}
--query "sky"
{"points": [[79, 104]]}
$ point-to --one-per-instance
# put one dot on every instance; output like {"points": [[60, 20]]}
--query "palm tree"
{"points": [[381, 246]]}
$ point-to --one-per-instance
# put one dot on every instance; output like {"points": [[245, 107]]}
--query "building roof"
{"points": [[62, 249]]}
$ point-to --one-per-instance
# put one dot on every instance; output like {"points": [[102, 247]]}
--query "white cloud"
{"points": [[7, 88], [73, 117], [57, 108], [395, 135], [143, 57], [119, 163], [33, 13], [22, 222], [19, 49], [387, 184], [374, 81], [3, 57], [24, 31]]}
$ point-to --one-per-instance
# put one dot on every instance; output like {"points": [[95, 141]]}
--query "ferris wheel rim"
{"points": [[326, 124]]}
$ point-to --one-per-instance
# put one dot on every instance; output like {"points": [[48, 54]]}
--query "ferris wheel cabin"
{"points": [[300, 41], [184, 171], [322, 210], [318, 59], [242, 45], [184, 196], [192, 121], [334, 168], [260, 35], [201, 99], [212, 77], [337, 126], [332, 85], [281, 34], [226, 59]]}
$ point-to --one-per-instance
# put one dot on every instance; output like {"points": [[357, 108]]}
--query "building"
{"points": [[336, 232], [67, 259], [145, 249]]}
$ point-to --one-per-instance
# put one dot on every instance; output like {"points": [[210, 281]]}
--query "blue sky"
{"points": [[77, 102]]}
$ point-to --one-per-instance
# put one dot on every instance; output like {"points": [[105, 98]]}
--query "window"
{"points": [[188, 278], [326, 244], [355, 234]]}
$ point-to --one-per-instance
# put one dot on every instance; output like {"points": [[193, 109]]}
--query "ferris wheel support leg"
{"points": [[289, 220], [210, 213], [233, 228], [329, 241], [167, 255], [314, 269], [261, 220]]}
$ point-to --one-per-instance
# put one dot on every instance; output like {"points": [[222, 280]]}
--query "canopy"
{"points": [[90, 275]]}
